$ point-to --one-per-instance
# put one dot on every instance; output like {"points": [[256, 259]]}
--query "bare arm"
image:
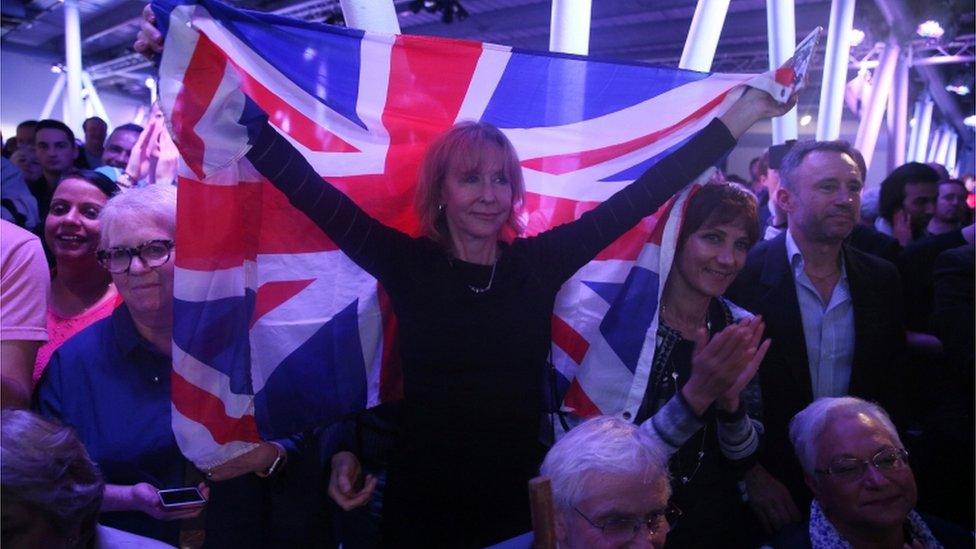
{"points": [[16, 365]]}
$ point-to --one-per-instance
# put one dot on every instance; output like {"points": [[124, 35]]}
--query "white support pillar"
{"points": [[94, 100], [781, 29], [950, 162], [371, 15], [867, 131], [72, 52], [915, 124], [933, 147], [569, 32], [835, 69], [898, 114], [52, 98], [706, 27], [924, 124], [569, 29], [942, 149]]}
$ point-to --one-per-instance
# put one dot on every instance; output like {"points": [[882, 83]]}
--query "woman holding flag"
{"points": [[474, 310]]}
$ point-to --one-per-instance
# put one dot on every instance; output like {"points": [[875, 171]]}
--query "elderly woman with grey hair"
{"points": [[111, 383], [51, 489], [610, 486], [863, 486]]}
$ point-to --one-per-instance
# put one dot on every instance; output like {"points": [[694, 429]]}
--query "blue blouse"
{"points": [[113, 388]]}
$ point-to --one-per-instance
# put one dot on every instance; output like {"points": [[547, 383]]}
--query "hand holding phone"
{"points": [[178, 498]]}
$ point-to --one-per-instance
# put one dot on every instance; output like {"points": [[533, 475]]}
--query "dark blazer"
{"points": [[765, 286]]}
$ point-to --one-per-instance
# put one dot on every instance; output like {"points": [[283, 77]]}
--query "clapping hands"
{"points": [[722, 366]]}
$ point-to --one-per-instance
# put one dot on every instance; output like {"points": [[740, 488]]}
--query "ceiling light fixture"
{"points": [[857, 36], [930, 29], [805, 120], [958, 89], [970, 121]]}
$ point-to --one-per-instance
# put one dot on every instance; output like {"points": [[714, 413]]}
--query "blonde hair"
{"points": [[465, 146]]}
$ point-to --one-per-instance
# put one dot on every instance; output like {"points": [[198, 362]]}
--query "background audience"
{"points": [[54, 144], [835, 311], [907, 202]]}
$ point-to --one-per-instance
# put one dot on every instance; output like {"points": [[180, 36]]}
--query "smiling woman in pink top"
{"points": [[81, 290]]}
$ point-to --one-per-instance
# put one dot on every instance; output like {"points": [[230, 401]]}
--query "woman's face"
{"points": [[71, 228], [147, 291], [478, 199], [711, 258]]}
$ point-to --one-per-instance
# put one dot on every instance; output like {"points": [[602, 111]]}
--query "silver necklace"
{"points": [[491, 279]]}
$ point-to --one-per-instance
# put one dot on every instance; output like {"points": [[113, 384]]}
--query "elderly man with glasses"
{"points": [[609, 487], [863, 486]]}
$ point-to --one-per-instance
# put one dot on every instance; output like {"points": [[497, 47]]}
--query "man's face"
{"points": [[919, 203], [615, 497], [55, 150], [95, 131], [876, 501], [825, 201], [118, 148], [951, 204]]}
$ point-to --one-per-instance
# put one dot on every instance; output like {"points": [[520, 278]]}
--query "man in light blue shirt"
{"points": [[834, 315]]}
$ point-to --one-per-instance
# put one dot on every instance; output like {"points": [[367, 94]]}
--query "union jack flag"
{"points": [[276, 329]]}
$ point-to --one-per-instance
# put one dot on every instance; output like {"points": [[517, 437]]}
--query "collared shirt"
{"points": [[828, 328], [113, 387]]}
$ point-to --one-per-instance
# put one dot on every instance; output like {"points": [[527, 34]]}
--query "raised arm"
{"points": [[574, 244], [371, 244]]}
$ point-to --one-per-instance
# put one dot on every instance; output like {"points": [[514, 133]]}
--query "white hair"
{"points": [[602, 445], [152, 203], [808, 424]]}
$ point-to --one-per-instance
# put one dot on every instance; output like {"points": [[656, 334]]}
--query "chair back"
{"points": [[543, 514]]}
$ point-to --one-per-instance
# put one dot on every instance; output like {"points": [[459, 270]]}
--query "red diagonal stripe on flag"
{"points": [[391, 372], [302, 128], [239, 222], [569, 340], [272, 294], [580, 402], [565, 163], [548, 211], [200, 81], [208, 410]]}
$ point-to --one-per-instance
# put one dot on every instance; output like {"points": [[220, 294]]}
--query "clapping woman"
{"points": [[698, 398]]}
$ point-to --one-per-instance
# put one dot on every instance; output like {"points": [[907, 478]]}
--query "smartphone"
{"points": [[181, 497]]}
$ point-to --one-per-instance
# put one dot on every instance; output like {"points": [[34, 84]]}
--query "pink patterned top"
{"points": [[60, 328]]}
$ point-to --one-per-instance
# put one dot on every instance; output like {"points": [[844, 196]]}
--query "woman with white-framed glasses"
{"points": [[111, 381]]}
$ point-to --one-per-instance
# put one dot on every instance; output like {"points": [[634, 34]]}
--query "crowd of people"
{"points": [[814, 356]]}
